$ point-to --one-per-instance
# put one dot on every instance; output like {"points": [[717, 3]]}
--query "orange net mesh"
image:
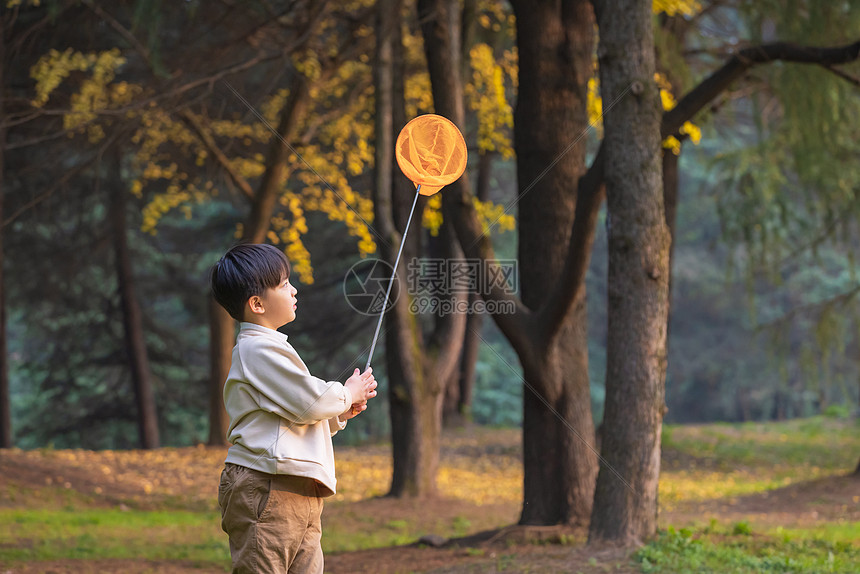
{"points": [[431, 152]]}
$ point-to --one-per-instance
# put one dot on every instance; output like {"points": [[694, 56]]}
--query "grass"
{"points": [[729, 460], [741, 551], [341, 535], [175, 520], [336, 538], [817, 442], [828, 533], [28, 535]]}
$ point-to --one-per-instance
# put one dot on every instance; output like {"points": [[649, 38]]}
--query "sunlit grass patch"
{"points": [[832, 533], [180, 478], [822, 442], [106, 533], [729, 460], [700, 485], [336, 538], [470, 469], [361, 475], [482, 486], [744, 550]]}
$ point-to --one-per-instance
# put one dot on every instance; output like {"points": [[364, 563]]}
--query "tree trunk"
{"points": [[670, 202], [457, 410], [555, 49], [402, 364], [468, 361], [418, 369], [625, 503], [221, 325], [559, 460], [135, 344], [222, 337], [5, 396], [450, 404], [415, 455], [414, 436], [458, 399]]}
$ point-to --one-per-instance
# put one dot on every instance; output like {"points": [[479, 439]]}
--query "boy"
{"points": [[281, 462]]}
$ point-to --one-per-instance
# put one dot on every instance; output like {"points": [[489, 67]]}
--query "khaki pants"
{"points": [[273, 521]]}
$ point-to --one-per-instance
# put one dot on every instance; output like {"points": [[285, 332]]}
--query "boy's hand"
{"points": [[362, 386], [353, 411]]}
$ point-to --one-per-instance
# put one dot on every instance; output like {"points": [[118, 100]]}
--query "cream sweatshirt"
{"points": [[282, 418]]}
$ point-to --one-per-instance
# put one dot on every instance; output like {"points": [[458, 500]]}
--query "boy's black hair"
{"points": [[247, 270]]}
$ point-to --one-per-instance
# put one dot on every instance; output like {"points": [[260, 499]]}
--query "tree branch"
{"points": [[209, 142], [740, 63], [144, 102], [844, 75], [263, 201], [129, 37]]}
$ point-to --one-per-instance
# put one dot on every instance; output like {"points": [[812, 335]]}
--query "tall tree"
{"points": [[459, 391], [555, 44], [419, 364], [625, 503], [132, 320]]}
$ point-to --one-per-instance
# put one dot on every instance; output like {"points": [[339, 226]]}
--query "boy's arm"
{"points": [[335, 425], [338, 423], [287, 388]]}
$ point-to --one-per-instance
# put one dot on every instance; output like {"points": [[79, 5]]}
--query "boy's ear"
{"points": [[255, 305]]}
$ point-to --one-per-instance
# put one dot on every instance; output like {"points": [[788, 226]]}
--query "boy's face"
{"points": [[274, 307]]}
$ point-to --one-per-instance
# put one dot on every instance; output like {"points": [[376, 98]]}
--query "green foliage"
{"points": [[840, 535], [688, 551], [109, 533], [780, 190], [787, 195], [741, 346], [821, 442], [70, 387], [837, 411]]}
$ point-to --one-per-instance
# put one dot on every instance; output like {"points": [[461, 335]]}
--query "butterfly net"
{"points": [[431, 152]]}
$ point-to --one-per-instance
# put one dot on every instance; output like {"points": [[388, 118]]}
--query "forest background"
{"points": [[143, 138], [764, 315]]}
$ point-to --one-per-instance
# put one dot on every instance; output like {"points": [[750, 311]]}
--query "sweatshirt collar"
{"points": [[245, 327]]}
